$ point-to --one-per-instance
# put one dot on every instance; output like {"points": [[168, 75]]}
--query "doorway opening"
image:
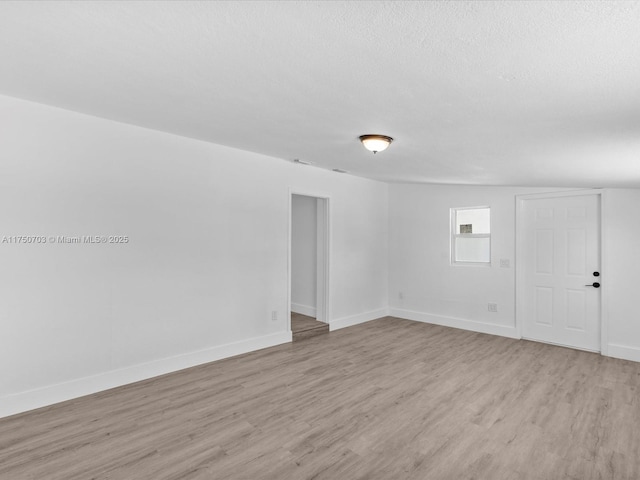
{"points": [[308, 265], [558, 284]]}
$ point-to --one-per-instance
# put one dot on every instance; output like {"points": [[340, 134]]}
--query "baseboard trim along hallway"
{"points": [[473, 326], [352, 320], [25, 401]]}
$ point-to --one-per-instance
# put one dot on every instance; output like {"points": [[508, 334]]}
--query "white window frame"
{"points": [[454, 235]]}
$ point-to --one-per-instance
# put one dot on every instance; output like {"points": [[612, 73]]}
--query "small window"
{"points": [[471, 235]]}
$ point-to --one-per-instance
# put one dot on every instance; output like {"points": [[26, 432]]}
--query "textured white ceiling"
{"points": [[493, 93]]}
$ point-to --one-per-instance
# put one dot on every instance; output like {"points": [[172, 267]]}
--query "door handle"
{"points": [[594, 285]]}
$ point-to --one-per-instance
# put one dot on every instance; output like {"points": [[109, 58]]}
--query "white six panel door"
{"points": [[561, 252]]}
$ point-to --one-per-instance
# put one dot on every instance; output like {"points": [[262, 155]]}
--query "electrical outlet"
{"points": [[401, 295], [492, 307], [504, 263], [274, 316]]}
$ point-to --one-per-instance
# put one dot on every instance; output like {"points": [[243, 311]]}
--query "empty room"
{"points": [[330, 240]]}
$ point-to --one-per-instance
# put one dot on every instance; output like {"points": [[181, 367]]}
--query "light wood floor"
{"points": [[389, 400], [303, 327]]}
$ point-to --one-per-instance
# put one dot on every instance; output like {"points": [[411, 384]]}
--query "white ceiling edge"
{"points": [[474, 93]]}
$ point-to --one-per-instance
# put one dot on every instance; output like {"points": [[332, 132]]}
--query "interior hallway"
{"points": [[303, 326]]}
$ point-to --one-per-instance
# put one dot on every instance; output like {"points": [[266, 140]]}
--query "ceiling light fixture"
{"points": [[375, 143]]}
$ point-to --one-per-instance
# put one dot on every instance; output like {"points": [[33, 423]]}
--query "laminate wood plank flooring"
{"points": [[303, 326], [389, 399]]}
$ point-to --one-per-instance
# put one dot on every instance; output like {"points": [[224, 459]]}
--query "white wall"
{"points": [[621, 272], [304, 254], [205, 265], [433, 290], [437, 292]]}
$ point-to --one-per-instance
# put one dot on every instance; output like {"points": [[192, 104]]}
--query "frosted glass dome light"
{"points": [[375, 143]]}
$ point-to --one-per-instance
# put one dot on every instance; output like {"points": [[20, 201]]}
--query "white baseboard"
{"points": [[624, 352], [356, 319], [42, 397], [303, 309], [481, 327]]}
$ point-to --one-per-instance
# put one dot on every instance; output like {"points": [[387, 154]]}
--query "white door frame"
{"points": [[323, 312], [520, 199]]}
